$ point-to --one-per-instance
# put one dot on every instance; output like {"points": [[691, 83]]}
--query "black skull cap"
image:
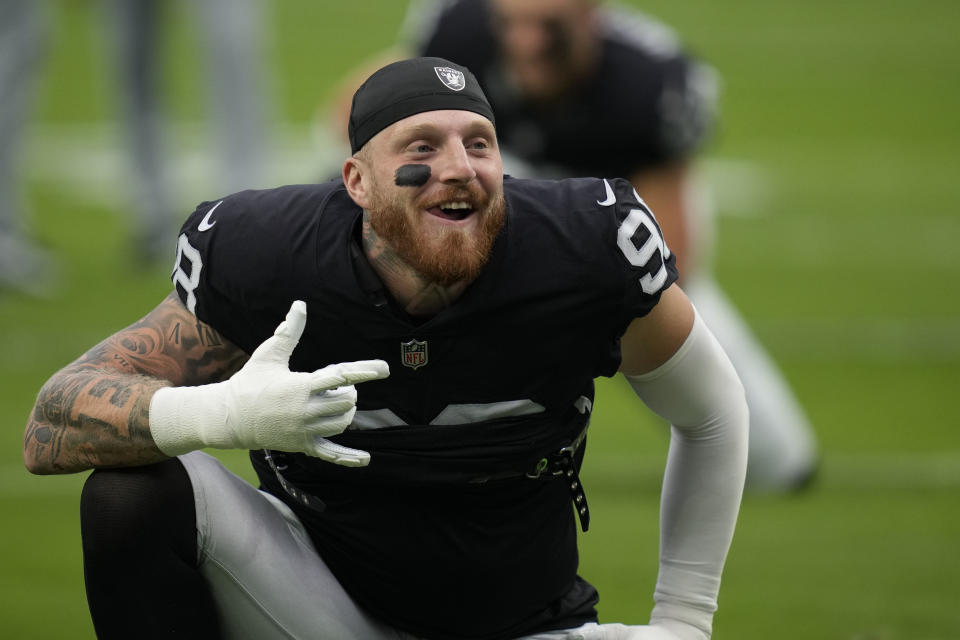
{"points": [[408, 87]]}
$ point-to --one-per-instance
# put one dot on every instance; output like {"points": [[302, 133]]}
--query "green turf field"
{"points": [[838, 177]]}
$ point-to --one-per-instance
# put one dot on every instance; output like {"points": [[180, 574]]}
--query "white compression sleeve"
{"points": [[697, 390]]}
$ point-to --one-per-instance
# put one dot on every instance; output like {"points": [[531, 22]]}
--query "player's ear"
{"points": [[356, 181]]}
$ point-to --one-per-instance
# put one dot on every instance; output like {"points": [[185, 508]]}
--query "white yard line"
{"points": [[886, 470], [90, 160], [838, 470], [869, 339]]}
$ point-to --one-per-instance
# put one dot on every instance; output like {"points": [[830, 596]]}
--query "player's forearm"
{"points": [[699, 392], [702, 486], [94, 412], [87, 417]]}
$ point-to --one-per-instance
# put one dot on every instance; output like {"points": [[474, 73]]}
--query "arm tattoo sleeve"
{"points": [[95, 411]]}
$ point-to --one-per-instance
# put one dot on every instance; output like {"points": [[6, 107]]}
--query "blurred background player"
{"points": [[583, 89], [228, 33], [23, 30]]}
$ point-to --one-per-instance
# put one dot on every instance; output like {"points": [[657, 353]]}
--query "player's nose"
{"points": [[454, 165]]}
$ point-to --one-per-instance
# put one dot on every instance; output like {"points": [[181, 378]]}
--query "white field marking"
{"points": [[870, 339], [735, 187], [879, 470], [864, 470], [859, 245], [886, 470], [90, 161]]}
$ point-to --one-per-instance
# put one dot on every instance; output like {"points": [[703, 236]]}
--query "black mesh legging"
{"points": [[139, 555]]}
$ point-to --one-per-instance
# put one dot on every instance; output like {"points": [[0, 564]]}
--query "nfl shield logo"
{"points": [[413, 354], [451, 77]]}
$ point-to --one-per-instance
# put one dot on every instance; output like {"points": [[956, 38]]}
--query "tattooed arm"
{"points": [[94, 411]]}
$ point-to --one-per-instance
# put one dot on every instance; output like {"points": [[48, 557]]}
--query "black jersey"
{"points": [[443, 534], [646, 103]]}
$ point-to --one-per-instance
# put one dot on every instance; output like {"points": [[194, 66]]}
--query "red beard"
{"points": [[444, 255]]}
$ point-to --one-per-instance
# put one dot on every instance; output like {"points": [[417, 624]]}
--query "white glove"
{"points": [[666, 630], [267, 406]]}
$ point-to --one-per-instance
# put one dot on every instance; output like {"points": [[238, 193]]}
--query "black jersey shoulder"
{"points": [[597, 235], [256, 249], [568, 219]]}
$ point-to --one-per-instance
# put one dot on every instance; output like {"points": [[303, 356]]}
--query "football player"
{"points": [[584, 89], [442, 498], [24, 29]]}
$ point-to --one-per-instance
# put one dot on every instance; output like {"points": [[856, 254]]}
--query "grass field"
{"points": [[838, 177]]}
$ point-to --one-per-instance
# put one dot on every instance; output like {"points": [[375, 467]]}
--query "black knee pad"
{"points": [[128, 510]]}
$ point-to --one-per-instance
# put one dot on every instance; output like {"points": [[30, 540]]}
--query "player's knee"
{"points": [[126, 508]]}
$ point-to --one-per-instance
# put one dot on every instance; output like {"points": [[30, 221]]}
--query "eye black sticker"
{"points": [[412, 175]]}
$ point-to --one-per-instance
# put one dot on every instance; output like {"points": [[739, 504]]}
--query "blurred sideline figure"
{"points": [[228, 31], [23, 33], [583, 89]]}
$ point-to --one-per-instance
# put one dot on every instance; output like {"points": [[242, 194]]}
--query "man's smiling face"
{"points": [[442, 223]]}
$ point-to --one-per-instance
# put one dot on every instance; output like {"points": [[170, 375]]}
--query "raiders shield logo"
{"points": [[413, 354], [451, 77]]}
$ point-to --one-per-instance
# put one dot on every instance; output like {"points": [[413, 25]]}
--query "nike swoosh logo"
{"points": [[205, 223], [610, 197]]}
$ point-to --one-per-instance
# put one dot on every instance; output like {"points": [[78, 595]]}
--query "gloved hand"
{"points": [[267, 406], [664, 630]]}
